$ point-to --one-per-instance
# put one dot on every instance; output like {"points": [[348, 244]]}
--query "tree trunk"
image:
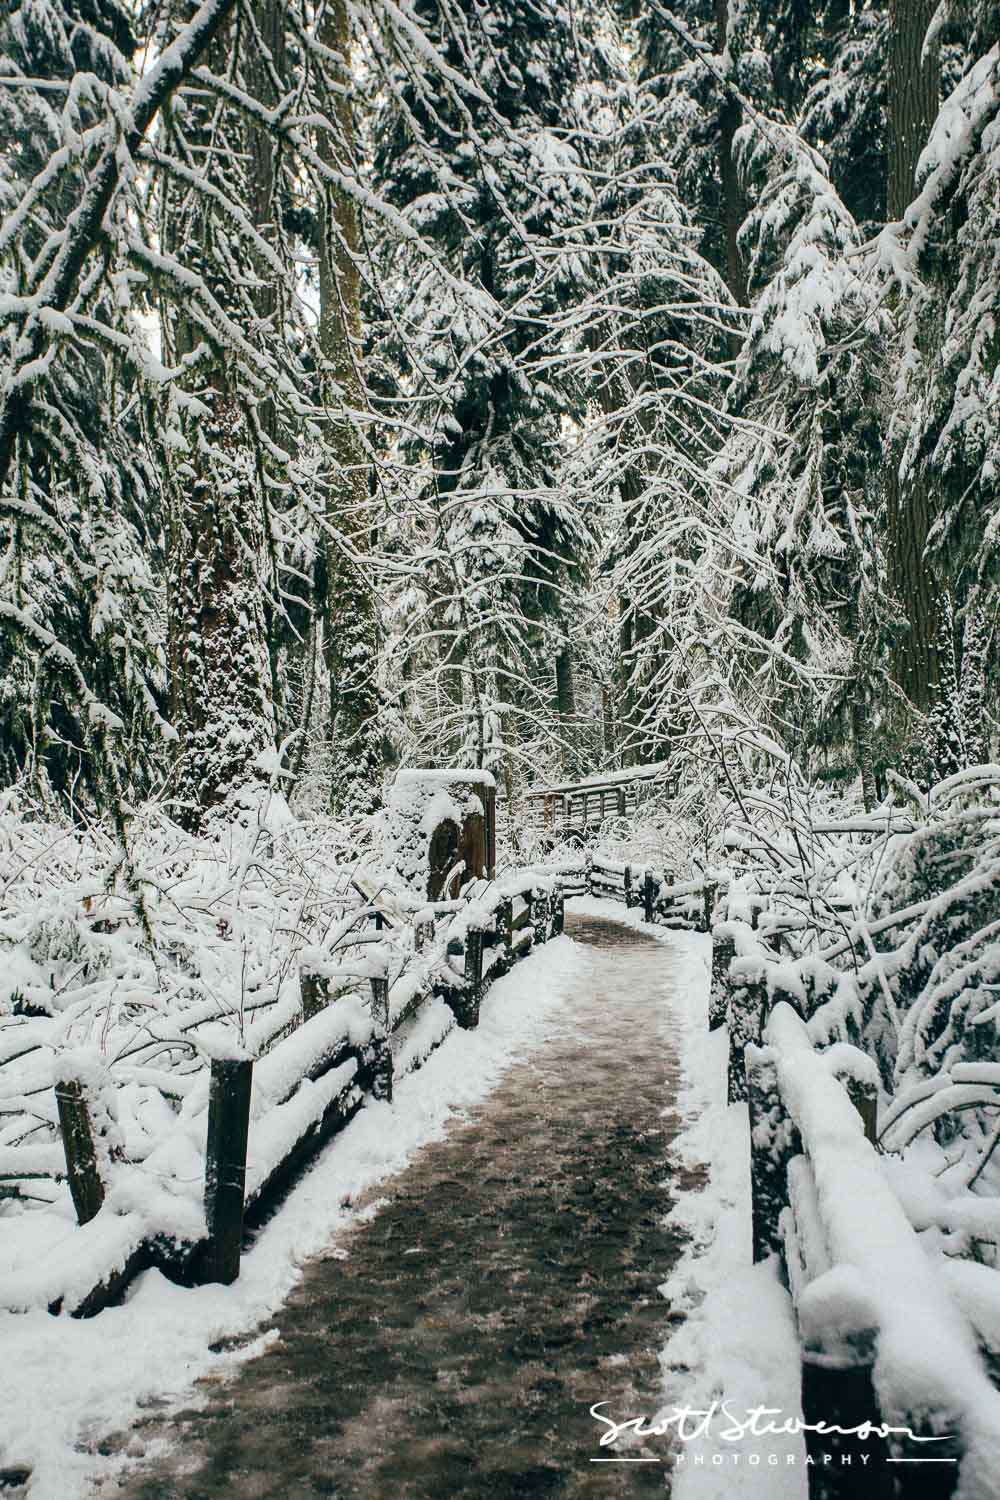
{"points": [[566, 708], [976, 639], [222, 672], [266, 64], [626, 683], [733, 205], [350, 614], [269, 18], [914, 82], [913, 105], [454, 667], [609, 747], [221, 686], [863, 749], [909, 517]]}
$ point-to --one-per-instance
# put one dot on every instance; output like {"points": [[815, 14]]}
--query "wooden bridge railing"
{"points": [[576, 807], [883, 1340]]}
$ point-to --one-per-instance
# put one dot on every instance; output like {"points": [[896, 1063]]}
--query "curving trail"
{"points": [[508, 1281]]}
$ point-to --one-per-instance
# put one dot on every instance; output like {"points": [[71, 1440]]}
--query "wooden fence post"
{"points": [[710, 892], [774, 1140], [648, 896], [627, 883], [382, 1082], [844, 1396], [466, 1000], [86, 1184], [558, 914], [588, 873], [540, 915], [747, 1007], [226, 1166], [668, 880], [864, 1097], [315, 992], [723, 953], [505, 929]]}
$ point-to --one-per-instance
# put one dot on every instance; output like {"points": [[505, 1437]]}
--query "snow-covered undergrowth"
{"points": [[79, 1382], [886, 929], [98, 943], [886, 924], [126, 976]]}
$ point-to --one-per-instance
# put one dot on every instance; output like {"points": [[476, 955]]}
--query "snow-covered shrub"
{"points": [[943, 978], [155, 959], [887, 925]]}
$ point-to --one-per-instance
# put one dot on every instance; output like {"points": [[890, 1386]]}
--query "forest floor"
{"points": [[508, 1279]]}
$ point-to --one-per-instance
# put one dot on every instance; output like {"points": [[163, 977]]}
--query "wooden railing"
{"points": [[686, 904], [578, 807], [882, 1341], [268, 1114], [876, 1322]]}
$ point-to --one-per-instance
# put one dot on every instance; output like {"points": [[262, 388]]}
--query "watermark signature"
{"points": [[720, 1423]]}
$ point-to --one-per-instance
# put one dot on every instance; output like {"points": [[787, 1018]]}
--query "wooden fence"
{"points": [[309, 1081], [812, 1117], [686, 904], [876, 1322]]}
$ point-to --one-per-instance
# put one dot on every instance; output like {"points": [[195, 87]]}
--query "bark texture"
{"points": [[910, 512], [221, 684], [221, 678], [350, 613], [733, 205], [566, 705], [914, 83]]}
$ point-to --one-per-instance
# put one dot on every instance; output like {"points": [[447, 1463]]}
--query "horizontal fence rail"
{"points": [[687, 905], [882, 1342]]}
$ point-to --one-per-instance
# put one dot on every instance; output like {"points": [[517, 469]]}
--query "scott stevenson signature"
{"points": [[688, 1423]]}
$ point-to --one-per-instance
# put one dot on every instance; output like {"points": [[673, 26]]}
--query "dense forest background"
{"points": [[543, 388]]}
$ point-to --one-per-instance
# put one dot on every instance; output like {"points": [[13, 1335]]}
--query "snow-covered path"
{"points": [[453, 1344]]}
